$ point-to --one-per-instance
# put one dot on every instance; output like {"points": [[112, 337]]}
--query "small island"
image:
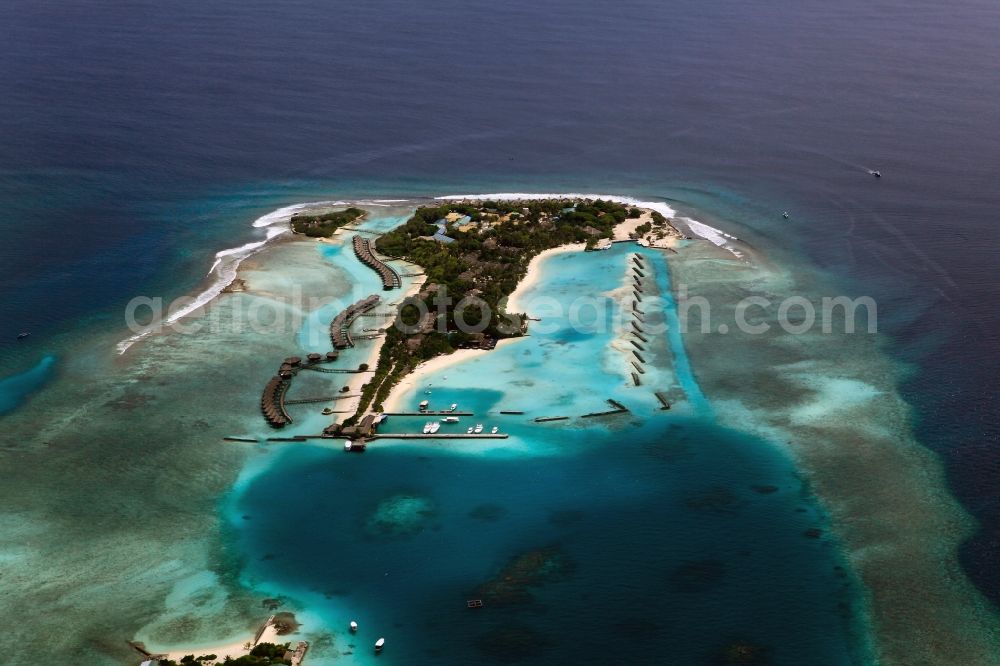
{"points": [[474, 253], [324, 225]]}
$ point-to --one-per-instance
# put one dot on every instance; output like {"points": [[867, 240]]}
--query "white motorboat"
{"points": [[469, 431], [479, 428], [450, 419], [454, 406], [354, 627], [427, 427], [435, 427], [379, 644], [495, 430]]}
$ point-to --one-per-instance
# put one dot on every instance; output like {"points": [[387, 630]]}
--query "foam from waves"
{"points": [[285, 214], [709, 233], [227, 263]]}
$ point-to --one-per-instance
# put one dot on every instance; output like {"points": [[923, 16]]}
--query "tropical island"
{"points": [[474, 254], [324, 224]]}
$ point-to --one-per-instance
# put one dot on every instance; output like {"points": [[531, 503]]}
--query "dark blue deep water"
{"points": [[137, 138]]}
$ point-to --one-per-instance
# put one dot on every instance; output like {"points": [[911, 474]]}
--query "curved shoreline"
{"points": [[958, 597]]}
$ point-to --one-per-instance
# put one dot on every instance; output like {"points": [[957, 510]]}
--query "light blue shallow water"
{"points": [[15, 389], [677, 537]]}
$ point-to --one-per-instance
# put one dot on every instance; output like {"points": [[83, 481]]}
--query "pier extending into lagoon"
{"points": [[340, 334], [363, 251]]}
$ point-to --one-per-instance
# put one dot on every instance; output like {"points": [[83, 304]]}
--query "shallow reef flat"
{"points": [[831, 400]]}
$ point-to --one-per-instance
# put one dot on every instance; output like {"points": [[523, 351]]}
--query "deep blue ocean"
{"points": [[138, 138]]}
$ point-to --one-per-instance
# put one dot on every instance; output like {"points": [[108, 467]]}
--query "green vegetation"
{"points": [[263, 654], [323, 225], [489, 256]]}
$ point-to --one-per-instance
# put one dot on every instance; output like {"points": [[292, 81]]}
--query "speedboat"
{"points": [[450, 419], [479, 428], [454, 406], [354, 627], [379, 644], [22, 336], [427, 427], [785, 215], [495, 430], [469, 431], [435, 427], [876, 173]]}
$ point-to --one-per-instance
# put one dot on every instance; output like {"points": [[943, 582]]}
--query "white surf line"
{"points": [[708, 232], [227, 262]]}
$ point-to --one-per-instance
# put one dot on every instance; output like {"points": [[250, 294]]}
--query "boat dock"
{"points": [[665, 404]]}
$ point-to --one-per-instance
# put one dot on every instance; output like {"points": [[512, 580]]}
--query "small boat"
{"points": [[875, 172], [22, 336], [454, 406], [479, 428], [469, 431], [379, 644], [423, 405], [785, 215], [450, 419], [495, 430], [427, 427], [347, 445], [327, 411], [354, 627], [435, 427]]}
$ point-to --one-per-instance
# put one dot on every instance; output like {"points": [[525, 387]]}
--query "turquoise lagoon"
{"points": [[661, 535]]}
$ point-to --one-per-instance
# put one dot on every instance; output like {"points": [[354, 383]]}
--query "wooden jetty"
{"points": [[638, 356], [635, 379], [429, 412], [510, 411], [328, 398], [363, 251], [546, 419], [340, 334], [664, 403], [239, 439], [449, 435], [637, 345], [638, 367], [640, 336], [272, 402]]}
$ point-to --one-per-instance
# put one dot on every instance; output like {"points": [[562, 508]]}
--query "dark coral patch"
{"points": [[744, 653], [716, 500], [697, 575]]}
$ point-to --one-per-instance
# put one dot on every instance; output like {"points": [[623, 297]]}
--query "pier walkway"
{"points": [[340, 334], [363, 251]]}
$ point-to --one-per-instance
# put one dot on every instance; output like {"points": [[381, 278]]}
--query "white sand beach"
{"points": [[234, 649], [516, 301], [412, 380]]}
